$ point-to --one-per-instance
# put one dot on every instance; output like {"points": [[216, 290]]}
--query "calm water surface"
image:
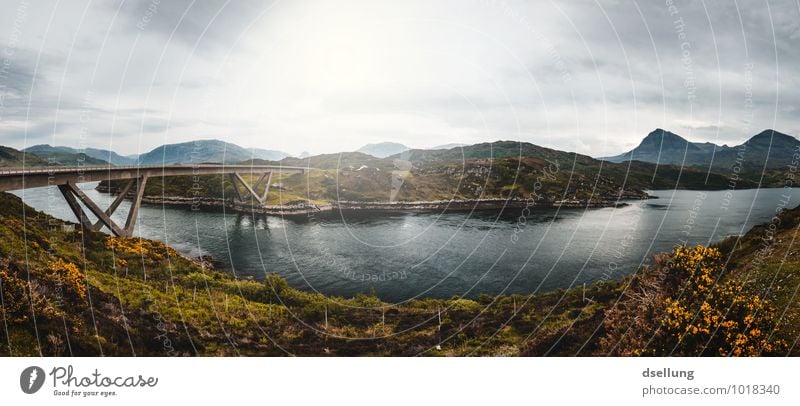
{"points": [[406, 255]]}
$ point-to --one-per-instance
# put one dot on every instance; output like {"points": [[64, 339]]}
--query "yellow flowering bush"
{"points": [[709, 315], [70, 275], [137, 250], [685, 305]]}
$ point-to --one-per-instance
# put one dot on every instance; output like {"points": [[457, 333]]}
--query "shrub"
{"points": [[683, 305], [15, 297], [70, 275]]}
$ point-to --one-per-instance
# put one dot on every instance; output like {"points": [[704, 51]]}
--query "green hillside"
{"points": [[63, 156], [10, 157], [69, 293], [68, 156], [499, 170]]}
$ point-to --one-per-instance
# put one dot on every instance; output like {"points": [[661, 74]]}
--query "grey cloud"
{"points": [[213, 25], [615, 58]]}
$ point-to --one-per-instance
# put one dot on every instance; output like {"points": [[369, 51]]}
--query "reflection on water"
{"points": [[403, 255]]}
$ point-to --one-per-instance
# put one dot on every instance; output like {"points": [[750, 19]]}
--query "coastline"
{"points": [[304, 208]]}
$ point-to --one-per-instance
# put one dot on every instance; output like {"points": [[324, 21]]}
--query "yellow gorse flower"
{"points": [[710, 311]]}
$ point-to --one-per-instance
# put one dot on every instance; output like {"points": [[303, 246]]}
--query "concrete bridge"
{"points": [[67, 178]]}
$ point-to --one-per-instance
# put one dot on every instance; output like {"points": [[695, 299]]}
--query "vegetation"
{"points": [[73, 293], [45, 155], [684, 306], [10, 157], [200, 151], [65, 156], [68, 292], [70, 156], [500, 170]]}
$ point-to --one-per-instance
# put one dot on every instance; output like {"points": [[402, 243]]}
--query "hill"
{"points": [[768, 149], [10, 157], [449, 146], [66, 156], [203, 151], [383, 149], [499, 170], [96, 153]]}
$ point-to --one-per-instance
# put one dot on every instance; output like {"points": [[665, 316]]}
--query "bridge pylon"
{"points": [[251, 193], [73, 195]]}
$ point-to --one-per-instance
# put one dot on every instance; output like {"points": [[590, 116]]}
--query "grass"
{"points": [[143, 298]]}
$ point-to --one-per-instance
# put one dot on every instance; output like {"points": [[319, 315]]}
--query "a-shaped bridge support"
{"points": [[67, 177], [73, 195], [237, 180]]}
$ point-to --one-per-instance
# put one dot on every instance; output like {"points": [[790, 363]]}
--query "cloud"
{"points": [[325, 76]]}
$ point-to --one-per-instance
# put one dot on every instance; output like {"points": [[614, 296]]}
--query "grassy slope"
{"points": [[10, 157], [135, 300], [767, 258], [139, 294]]}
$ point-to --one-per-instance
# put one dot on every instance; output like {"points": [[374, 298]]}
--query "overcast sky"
{"points": [[328, 76]]}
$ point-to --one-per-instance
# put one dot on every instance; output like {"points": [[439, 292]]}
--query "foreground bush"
{"points": [[684, 305]]}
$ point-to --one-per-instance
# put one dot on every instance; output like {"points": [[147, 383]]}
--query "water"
{"points": [[410, 255]]}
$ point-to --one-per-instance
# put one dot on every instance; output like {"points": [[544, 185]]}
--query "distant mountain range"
{"points": [[449, 146], [662, 160], [768, 149], [67, 155], [387, 149], [188, 152], [383, 149], [496, 170]]}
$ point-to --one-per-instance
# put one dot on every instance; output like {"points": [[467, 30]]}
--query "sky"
{"points": [[329, 76]]}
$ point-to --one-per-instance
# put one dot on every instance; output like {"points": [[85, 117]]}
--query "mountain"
{"points": [[497, 170], [104, 155], [110, 156], [10, 157], [449, 146], [205, 151], [267, 154], [383, 149], [64, 156], [768, 149], [486, 150], [664, 147]]}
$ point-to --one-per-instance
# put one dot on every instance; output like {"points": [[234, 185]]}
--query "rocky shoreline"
{"points": [[303, 208]]}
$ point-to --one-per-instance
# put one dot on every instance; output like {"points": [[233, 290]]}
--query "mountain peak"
{"points": [[667, 135], [773, 135], [663, 140]]}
